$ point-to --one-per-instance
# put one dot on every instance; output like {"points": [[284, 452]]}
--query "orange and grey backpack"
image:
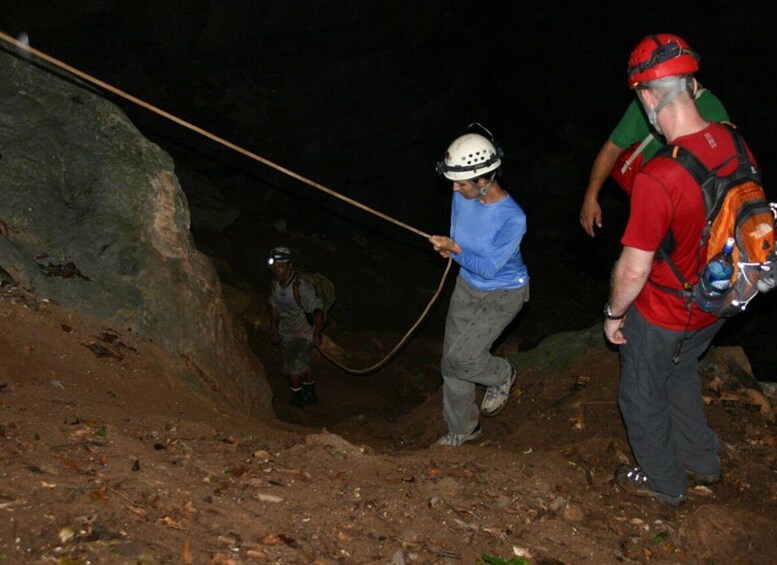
{"points": [[736, 206]]}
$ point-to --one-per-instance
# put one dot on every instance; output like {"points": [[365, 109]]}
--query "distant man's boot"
{"points": [[309, 395], [297, 397]]}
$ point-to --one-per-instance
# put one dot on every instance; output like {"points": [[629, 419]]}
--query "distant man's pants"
{"points": [[296, 355]]}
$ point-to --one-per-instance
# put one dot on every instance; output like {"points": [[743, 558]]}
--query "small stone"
{"points": [[573, 513]]}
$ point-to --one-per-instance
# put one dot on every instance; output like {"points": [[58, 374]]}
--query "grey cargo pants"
{"points": [[475, 320]]}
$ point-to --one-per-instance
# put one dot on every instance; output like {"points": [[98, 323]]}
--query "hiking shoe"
{"points": [[296, 398], [454, 440], [633, 480], [495, 399], [702, 479], [309, 395]]}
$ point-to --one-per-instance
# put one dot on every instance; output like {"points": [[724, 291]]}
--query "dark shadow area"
{"points": [[365, 99]]}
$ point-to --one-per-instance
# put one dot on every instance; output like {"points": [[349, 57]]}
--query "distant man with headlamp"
{"points": [[291, 299]]}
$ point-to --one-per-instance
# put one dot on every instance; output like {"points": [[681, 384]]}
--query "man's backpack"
{"points": [[736, 206], [325, 290]]}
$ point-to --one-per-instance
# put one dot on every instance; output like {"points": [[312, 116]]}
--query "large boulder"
{"points": [[93, 217]]}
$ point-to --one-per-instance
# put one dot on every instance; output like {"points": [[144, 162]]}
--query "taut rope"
{"points": [[251, 155]]}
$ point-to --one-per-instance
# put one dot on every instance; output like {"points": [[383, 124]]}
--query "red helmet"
{"points": [[661, 55]]}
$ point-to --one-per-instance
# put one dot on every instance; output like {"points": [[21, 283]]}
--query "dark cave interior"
{"points": [[363, 97]]}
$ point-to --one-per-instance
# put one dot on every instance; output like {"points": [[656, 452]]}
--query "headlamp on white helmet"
{"points": [[470, 156], [279, 255]]}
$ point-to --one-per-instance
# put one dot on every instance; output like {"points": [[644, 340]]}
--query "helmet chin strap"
{"points": [[485, 187], [652, 116], [678, 85]]}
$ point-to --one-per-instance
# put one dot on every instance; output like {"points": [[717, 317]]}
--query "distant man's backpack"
{"points": [[325, 290], [736, 206]]}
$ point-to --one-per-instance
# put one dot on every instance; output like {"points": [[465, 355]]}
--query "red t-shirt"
{"points": [[665, 196]]}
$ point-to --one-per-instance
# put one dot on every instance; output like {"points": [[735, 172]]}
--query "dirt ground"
{"points": [[106, 458]]}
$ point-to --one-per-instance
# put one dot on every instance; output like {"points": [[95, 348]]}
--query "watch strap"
{"points": [[609, 315]]}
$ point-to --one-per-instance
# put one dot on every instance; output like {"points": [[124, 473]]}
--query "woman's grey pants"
{"points": [[475, 320]]}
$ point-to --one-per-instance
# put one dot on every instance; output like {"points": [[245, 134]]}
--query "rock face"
{"points": [[93, 216]]}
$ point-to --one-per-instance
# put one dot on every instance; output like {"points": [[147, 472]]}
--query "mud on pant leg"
{"points": [[475, 320]]}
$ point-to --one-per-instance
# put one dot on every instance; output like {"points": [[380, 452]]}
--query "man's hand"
{"points": [[613, 330], [591, 212], [590, 215]]}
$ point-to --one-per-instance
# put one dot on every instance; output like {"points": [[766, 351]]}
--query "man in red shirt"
{"points": [[661, 334]]}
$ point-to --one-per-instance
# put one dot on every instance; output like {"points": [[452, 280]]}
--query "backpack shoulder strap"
{"points": [[700, 174], [637, 152], [694, 166], [687, 160], [295, 291], [739, 146]]}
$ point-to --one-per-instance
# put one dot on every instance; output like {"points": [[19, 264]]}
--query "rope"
{"points": [[209, 135], [402, 342], [251, 155]]}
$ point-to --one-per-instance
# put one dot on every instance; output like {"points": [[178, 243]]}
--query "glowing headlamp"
{"points": [[278, 257]]}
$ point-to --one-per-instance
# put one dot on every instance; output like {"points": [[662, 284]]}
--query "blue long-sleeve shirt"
{"points": [[490, 239]]}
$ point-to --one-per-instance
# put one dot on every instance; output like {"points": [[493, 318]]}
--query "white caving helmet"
{"points": [[470, 155], [279, 255]]}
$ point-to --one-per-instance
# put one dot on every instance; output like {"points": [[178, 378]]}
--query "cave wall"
{"points": [[94, 218]]}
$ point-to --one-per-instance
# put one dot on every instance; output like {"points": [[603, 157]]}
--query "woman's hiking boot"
{"points": [[454, 440], [495, 399]]}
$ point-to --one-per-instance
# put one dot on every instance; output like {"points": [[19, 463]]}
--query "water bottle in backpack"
{"points": [[716, 277]]}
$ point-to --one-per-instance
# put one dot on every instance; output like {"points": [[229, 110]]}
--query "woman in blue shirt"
{"points": [[487, 226]]}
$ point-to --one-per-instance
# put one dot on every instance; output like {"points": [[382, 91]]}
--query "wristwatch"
{"points": [[609, 315]]}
